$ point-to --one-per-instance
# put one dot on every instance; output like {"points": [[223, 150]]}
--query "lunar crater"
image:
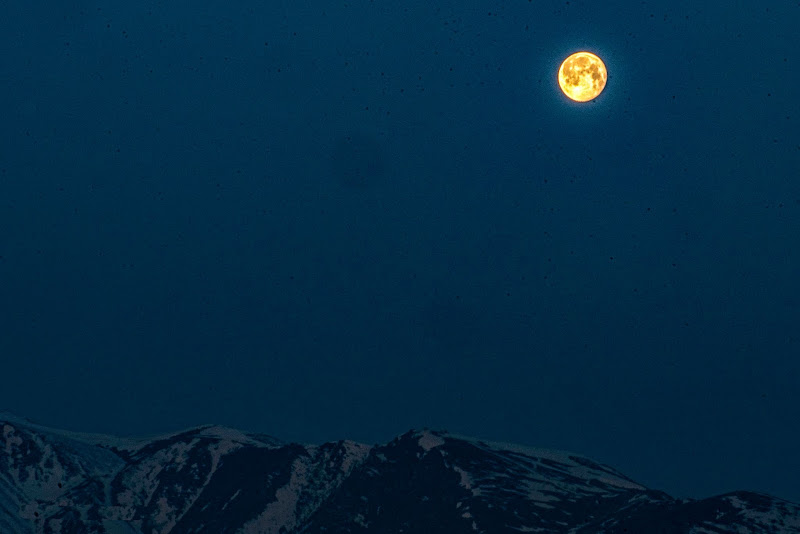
{"points": [[582, 76]]}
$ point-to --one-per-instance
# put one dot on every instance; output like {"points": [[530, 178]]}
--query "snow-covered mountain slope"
{"points": [[219, 480]]}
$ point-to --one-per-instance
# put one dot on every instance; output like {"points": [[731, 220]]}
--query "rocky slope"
{"points": [[219, 480]]}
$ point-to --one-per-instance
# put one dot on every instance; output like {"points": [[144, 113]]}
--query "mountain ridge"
{"points": [[217, 479]]}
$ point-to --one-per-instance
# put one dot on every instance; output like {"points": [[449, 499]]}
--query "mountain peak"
{"points": [[211, 479]]}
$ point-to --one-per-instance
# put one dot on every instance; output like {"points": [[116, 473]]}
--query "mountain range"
{"points": [[219, 480]]}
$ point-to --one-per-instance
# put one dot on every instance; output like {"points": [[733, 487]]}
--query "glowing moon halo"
{"points": [[582, 76]]}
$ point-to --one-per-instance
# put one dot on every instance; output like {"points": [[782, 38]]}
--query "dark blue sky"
{"points": [[326, 220]]}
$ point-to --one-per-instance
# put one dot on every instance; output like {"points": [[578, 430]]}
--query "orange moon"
{"points": [[582, 76]]}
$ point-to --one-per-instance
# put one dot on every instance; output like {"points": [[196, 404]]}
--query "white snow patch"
{"points": [[218, 450], [11, 437], [126, 498], [620, 483], [569, 463], [180, 451], [429, 441], [466, 480], [550, 454], [587, 473], [231, 434], [538, 496], [355, 454], [133, 444], [143, 483], [282, 512], [783, 512], [165, 514], [83, 437]]}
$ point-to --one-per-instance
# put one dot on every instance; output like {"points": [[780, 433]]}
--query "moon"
{"points": [[582, 76]]}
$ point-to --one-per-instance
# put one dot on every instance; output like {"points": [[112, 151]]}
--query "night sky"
{"points": [[324, 220]]}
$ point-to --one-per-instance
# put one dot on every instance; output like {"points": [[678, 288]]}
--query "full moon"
{"points": [[582, 76]]}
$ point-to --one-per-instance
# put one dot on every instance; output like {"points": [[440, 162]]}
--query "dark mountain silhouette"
{"points": [[219, 480]]}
